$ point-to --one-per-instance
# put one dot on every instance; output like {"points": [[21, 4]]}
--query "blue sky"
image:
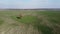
{"points": [[23, 4]]}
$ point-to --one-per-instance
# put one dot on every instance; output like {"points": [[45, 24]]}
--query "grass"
{"points": [[52, 17], [43, 23], [1, 21], [45, 29]]}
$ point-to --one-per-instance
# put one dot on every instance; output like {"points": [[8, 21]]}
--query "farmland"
{"points": [[32, 22]]}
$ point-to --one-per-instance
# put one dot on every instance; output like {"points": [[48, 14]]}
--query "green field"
{"points": [[32, 22]]}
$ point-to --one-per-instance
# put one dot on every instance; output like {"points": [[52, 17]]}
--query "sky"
{"points": [[28, 4]]}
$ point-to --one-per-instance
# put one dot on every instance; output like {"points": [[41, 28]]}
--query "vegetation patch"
{"points": [[1, 21]]}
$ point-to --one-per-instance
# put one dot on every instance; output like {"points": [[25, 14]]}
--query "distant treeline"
{"points": [[35, 9]]}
